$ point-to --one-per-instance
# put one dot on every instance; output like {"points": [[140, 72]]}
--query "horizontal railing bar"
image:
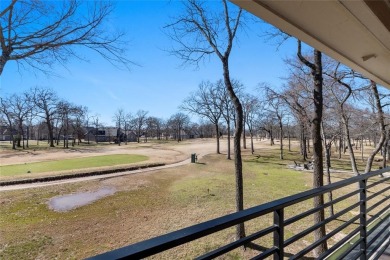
{"points": [[340, 243], [265, 254], [377, 204], [318, 225], [155, 245], [324, 238], [349, 250], [311, 211], [380, 243], [378, 182], [235, 244], [378, 234], [357, 255], [378, 193], [380, 252], [377, 215]]}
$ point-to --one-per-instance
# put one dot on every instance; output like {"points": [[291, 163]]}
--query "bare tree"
{"points": [[69, 115], [328, 144], [318, 171], [266, 123], [252, 107], [342, 92], [382, 127], [45, 100], [154, 127], [119, 119], [297, 97], [205, 129], [88, 119], [40, 33], [139, 122], [128, 122], [245, 101], [227, 107], [79, 114], [5, 109], [97, 125], [206, 102], [200, 32], [276, 105], [177, 123], [21, 107]]}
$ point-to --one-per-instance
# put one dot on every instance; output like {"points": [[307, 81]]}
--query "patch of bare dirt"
{"points": [[167, 152]]}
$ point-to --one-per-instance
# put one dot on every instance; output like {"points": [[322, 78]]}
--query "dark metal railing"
{"points": [[371, 235]]}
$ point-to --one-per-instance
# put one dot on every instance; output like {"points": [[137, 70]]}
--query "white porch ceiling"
{"points": [[356, 33]]}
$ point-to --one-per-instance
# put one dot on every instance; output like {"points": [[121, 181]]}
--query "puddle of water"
{"points": [[72, 201]]}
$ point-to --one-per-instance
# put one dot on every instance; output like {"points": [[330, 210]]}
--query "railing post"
{"points": [[279, 233], [363, 218]]}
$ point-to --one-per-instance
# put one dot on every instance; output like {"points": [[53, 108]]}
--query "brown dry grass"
{"points": [[152, 204]]}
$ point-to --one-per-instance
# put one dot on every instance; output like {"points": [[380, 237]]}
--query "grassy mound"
{"points": [[71, 164]]}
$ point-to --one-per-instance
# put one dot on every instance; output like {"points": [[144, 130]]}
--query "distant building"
{"points": [[109, 134], [6, 133]]}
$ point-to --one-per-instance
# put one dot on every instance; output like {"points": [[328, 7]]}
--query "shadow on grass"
{"points": [[256, 247], [345, 221]]}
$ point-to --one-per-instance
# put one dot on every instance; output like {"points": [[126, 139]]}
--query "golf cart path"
{"points": [[89, 178], [182, 153]]}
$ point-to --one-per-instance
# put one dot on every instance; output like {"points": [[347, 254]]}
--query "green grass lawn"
{"points": [[71, 164]]}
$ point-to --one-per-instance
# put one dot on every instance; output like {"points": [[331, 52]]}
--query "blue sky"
{"points": [[160, 83]]}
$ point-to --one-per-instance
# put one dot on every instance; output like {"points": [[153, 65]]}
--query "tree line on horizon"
{"points": [[40, 114]]}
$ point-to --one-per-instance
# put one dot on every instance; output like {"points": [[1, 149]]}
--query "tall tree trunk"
{"points": [[51, 135], [243, 135], [281, 138], [328, 147], [349, 145], [271, 136], [3, 60], [58, 134], [19, 139], [289, 139], [28, 136], [318, 170], [301, 140], [228, 140], [240, 228], [217, 132], [382, 128], [252, 147], [385, 152], [303, 143]]}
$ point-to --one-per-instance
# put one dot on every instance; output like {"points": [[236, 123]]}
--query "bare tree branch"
{"points": [[41, 33]]}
